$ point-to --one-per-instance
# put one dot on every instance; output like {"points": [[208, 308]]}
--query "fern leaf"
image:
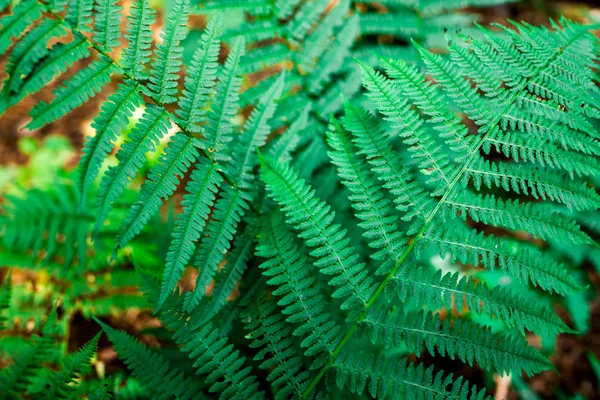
{"points": [[382, 377], [372, 142], [335, 55], [430, 100], [79, 14], [371, 206], [461, 339], [222, 366], [272, 336], [197, 202], [75, 92], [216, 241], [161, 183], [19, 376], [424, 149], [14, 24], [73, 367], [60, 57], [530, 217], [425, 285], [41, 218], [152, 126], [139, 37], [256, 7], [150, 368], [28, 52], [107, 21], [302, 303], [224, 106], [167, 61], [313, 218], [543, 154], [532, 181], [225, 282], [201, 77], [303, 20], [231, 207], [113, 117], [526, 265]]}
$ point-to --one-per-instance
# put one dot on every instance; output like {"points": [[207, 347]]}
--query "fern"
{"points": [[315, 212], [73, 366], [397, 378], [158, 376], [314, 221]]}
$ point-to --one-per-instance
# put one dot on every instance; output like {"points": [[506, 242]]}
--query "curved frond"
{"points": [[313, 218]]}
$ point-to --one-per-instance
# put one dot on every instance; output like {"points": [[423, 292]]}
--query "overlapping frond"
{"points": [[461, 339], [231, 207], [313, 218], [149, 367], [73, 367], [222, 366], [397, 378], [39, 222], [425, 285], [272, 336], [298, 295]]}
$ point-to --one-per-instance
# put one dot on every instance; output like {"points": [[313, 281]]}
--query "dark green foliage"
{"points": [[332, 230]]}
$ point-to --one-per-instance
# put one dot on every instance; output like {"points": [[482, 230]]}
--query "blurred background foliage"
{"points": [[68, 281]]}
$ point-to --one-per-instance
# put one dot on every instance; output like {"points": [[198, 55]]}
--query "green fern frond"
{"points": [[313, 218], [532, 181], [397, 378], [197, 203], [308, 14], [107, 21], [460, 339], [29, 362], [201, 78], [425, 285], [272, 336], [40, 222], [301, 301], [525, 263], [162, 181], [73, 367], [79, 14], [28, 51], [5, 296], [75, 92], [257, 7], [424, 149], [112, 119], [230, 208], [167, 60], [14, 24], [58, 59], [223, 367], [150, 368], [139, 38], [430, 100], [375, 211], [374, 144], [529, 217], [224, 106], [285, 8], [152, 126], [226, 280]]}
